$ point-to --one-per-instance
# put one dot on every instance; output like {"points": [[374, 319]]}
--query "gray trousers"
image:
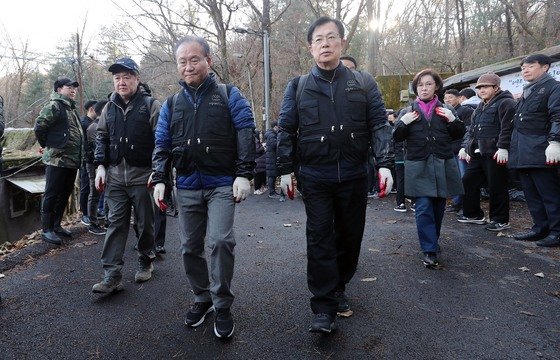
{"points": [[93, 197], [208, 214], [120, 199]]}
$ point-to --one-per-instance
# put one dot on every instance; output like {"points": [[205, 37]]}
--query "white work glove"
{"points": [[409, 117], [501, 156], [385, 181], [159, 193], [463, 155], [287, 185], [241, 188], [446, 113], [100, 178], [552, 153]]}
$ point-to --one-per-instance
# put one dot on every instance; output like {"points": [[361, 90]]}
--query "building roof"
{"points": [[500, 68]]}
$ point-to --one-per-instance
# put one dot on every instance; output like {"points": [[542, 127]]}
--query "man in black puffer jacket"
{"points": [[535, 149], [488, 138]]}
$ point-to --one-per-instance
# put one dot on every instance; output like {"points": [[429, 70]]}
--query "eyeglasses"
{"points": [[329, 39]]}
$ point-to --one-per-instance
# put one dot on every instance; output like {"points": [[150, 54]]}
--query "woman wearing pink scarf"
{"points": [[431, 171]]}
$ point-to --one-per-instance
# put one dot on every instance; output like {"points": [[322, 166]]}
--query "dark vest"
{"points": [[59, 131], [130, 135], [203, 137], [333, 129], [428, 137], [531, 115]]}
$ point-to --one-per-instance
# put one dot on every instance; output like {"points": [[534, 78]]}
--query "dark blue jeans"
{"points": [[429, 215]]}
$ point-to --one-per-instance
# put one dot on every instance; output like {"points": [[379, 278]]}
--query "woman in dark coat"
{"points": [[431, 171]]}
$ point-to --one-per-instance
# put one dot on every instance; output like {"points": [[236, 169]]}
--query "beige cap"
{"points": [[488, 80]]}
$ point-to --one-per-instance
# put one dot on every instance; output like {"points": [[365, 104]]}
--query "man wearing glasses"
{"points": [[332, 115], [58, 130]]}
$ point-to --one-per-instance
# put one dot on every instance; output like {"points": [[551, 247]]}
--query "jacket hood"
{"points": [[64, 99], [502, 94]]}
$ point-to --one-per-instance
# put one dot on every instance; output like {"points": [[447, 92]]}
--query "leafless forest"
{"points": [[386, 37]]}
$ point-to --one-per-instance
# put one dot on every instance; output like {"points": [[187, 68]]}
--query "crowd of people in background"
{"points": [[334, 138]]}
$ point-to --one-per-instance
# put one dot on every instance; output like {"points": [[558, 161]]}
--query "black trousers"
{"points": [[84, 189], [59, 186], [399, 170], [542, 193], [260, 179], [335, 227], [483, 169]]}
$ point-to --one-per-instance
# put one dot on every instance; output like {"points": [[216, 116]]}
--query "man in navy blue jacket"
{"points": [[332, 115], [206, 130]]}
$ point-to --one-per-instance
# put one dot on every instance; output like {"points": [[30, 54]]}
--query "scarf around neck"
{"points": [[427, 108]]}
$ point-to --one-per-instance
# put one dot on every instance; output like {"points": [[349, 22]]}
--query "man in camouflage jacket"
{"points": [[60, 133]]}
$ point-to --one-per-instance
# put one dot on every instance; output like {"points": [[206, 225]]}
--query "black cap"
{"points": [[537, 58], [89, 104], [65, 81], [126, 64], [467, 92]]}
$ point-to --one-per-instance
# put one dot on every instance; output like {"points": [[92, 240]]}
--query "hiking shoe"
{"points": [[96, 229], [430, 260], [197, 313], [160, 249], [144, 273], [400, 208], [495, 226], [323, 323], [223, 323], [107, 286], [467, 220], [60, 231], [342, 301], [86, 220], [51, 237]]}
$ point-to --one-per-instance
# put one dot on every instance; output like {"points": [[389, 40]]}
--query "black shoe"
{"points": [[529, 236], [160, 250], [453, 208], [549, 241], [86, 220], [342, 301], [430, 260], [96, 230], [51, 237], [223, 324], [197, 313], [62, 231], [323, 323]]}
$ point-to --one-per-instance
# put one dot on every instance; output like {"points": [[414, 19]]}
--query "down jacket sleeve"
{"points": [[244, 124]]}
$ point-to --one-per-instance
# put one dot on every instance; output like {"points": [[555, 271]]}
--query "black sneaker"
{"points": [[197, 313], [430, 260], [323, 323], [223, 324], [96, 229], [86, 220], [400, 208], [495, 226], [160, 249], [467, 220], [413, 206], [342, 301]]}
